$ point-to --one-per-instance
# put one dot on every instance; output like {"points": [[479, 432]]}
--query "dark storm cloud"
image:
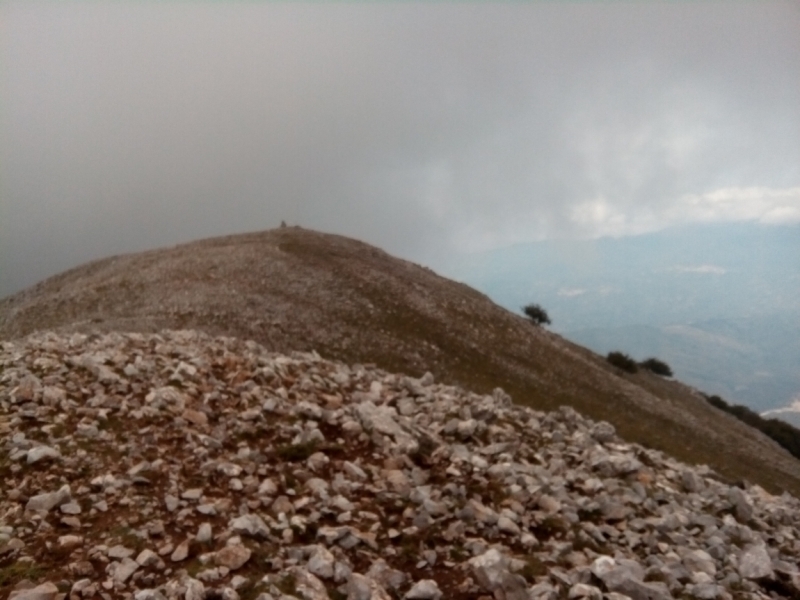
{"points": [[419, 128]]}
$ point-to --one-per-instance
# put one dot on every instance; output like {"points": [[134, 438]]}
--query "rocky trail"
{"points": [[177, 465]]}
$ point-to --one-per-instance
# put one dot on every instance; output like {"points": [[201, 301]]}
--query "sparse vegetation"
{"points": [[458, 553], [622, 361], [288, 584], [782, 432], [335, 594], [536, 314], [718, 402], [16, 572], [296, 452], [533, 569], [656, 366]]}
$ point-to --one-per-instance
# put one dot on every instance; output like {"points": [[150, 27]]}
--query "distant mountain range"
{"points": [[719, 303]]}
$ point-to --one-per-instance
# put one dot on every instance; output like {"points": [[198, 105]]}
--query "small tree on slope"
{"points": [[536, 314], [659, 367]]}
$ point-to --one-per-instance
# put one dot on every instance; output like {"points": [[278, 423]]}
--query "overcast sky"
{"points": [[426, 129]]}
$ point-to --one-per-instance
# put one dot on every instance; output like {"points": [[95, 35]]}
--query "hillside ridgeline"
{"points": [[297, 290]]}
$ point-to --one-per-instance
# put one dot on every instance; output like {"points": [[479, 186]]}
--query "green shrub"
{"points": [[296, 452], [658, 367], [622, 361], [718, 402], [536, 314]]}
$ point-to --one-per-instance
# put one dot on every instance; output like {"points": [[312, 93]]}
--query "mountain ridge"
{"points": [[294, 289]]}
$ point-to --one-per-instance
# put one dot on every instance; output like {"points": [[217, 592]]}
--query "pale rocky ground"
{"points": [[177, 465]]}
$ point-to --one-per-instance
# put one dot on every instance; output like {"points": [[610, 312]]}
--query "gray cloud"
{"points": [[423, 129]]}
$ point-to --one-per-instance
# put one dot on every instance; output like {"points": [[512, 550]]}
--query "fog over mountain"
{"points": [[423, 128], [720, 304]]}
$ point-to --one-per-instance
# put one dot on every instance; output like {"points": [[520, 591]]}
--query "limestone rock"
{"points": [[425, 589], [49, 500], [250, 525], [45, 591], [41, 453], [755, 563], [233, 556]]}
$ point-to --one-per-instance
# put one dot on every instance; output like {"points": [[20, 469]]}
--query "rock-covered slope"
{"points": [[182, 466], [292, 289]]}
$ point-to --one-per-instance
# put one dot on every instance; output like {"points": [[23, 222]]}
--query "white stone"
{"points": [[147, 558], [755, 563], [45, 591], [204, 533], [233, 556], [250, 525], [321, 562], [425, 589], [47, 501], [42, 453]]}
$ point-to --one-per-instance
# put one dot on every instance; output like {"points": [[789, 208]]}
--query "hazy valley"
{"points": [[719, 303]]}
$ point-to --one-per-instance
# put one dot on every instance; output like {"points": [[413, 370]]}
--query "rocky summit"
{"points": [[293, 289], [179, 465]]}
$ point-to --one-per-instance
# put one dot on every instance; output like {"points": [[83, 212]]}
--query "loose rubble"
{"points": [[154, 467]]}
